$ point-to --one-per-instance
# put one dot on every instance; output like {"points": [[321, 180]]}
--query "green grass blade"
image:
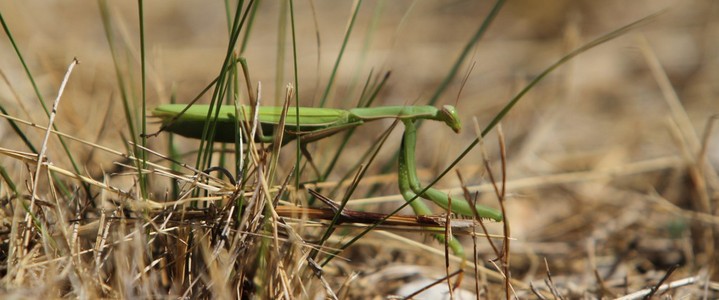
{"points": [[142, 155], [9, 181], [369, 37], [348, 32], [248, 28], [465, 52], [128, 103], [18, 131], [298, 149], [280, 55], [174, 154], [24, 65]]}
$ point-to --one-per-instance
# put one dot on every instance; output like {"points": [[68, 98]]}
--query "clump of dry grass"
{"points": [[611, 185]]}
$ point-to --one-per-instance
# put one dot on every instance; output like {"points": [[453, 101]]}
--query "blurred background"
{"points": [[588, 148]]}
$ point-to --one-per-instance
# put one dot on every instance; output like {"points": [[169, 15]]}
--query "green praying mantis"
{"points": [[317, 123], [314, 123]]}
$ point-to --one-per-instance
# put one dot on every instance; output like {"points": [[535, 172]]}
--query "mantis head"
{"points": [[448, 114]]}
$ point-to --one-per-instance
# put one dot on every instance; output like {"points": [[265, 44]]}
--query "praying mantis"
{"points": [[317, 123], [314, 123]]}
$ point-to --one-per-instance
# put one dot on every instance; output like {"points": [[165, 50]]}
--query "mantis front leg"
{"points": [[410, 187]]}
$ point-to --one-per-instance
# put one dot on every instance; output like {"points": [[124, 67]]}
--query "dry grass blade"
{"points": [[662, 288], [41, 160]]}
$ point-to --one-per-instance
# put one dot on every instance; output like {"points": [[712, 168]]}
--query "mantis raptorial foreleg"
{"points": [[418, 206], [410, 187]]}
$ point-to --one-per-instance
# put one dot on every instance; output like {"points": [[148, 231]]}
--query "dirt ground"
{"points": [[611, 160]]}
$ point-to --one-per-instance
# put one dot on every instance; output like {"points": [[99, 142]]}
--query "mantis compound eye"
{"points": [[449, 116]]}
